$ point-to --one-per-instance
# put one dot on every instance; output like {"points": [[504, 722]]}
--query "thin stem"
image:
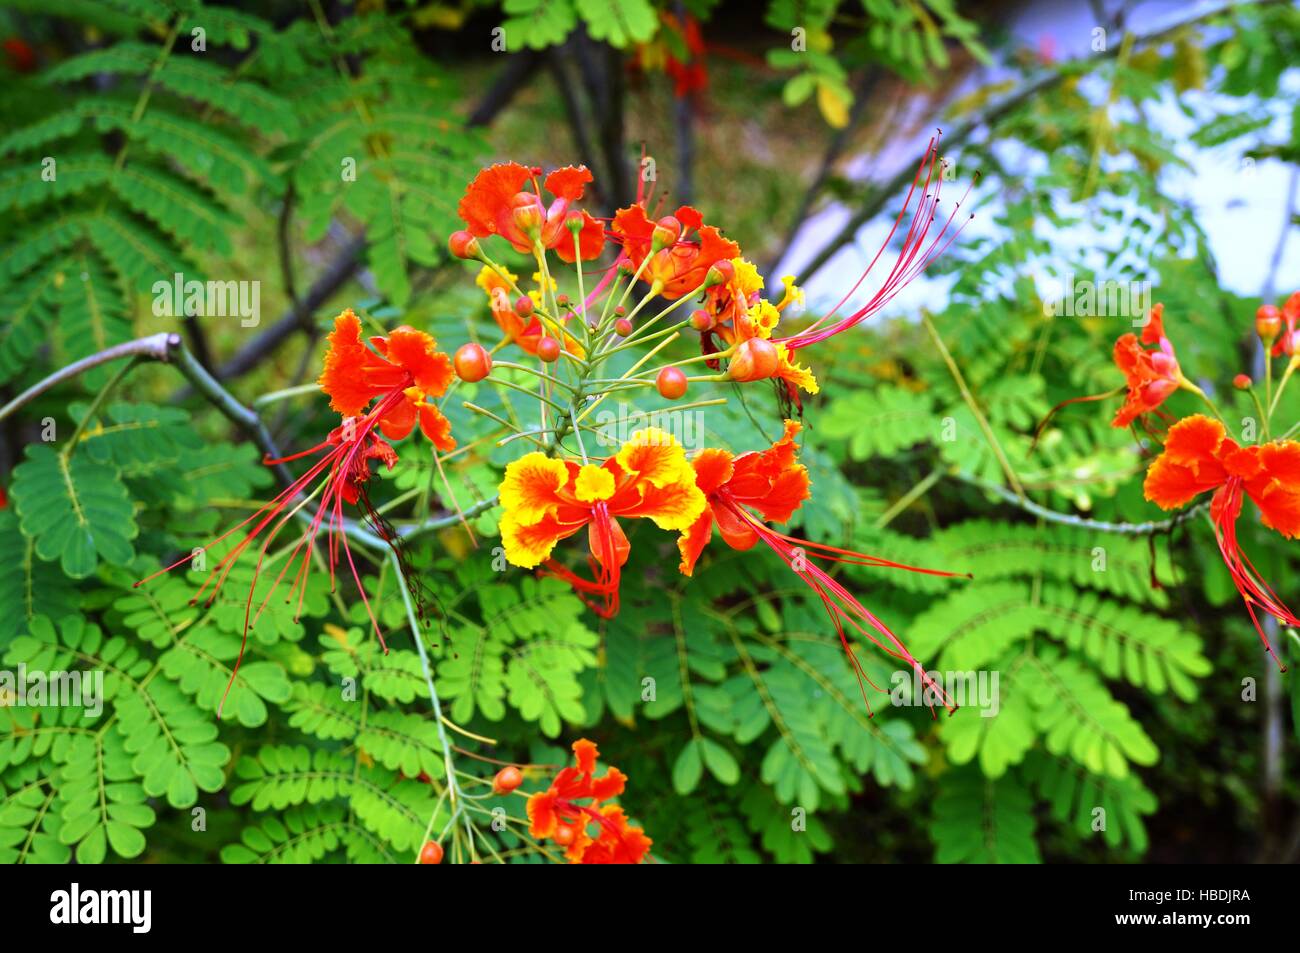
{"points": [[95, 404], [1065, 519], [969, 398]]}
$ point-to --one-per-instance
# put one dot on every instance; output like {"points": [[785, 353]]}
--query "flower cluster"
{"points": [[570, 355], [559, 814], [1199, 456]]}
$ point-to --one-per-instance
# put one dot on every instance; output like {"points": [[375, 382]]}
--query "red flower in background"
{"points": [[689, 77], [495, 203], [1151, 376], [1199, 457], [555, 813]]}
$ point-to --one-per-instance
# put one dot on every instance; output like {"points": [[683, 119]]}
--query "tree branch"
{"points": [[1033, 87], [1123, 529]]}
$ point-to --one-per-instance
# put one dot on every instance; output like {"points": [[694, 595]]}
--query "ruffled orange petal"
{"points": [[610, 784], [619, 842], [1276, 490], [1155, 328], [436, 428], [1189, 464], [353, 375], [692, 542], [713, 469], [542, 816], [633, 229], [568, 182], [485, 207], [528, 545], [417, 353], [585, 754], [653, 455]]}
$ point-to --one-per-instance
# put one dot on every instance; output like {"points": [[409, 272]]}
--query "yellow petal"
{"points": [[593, 483], [530, 490], [655, 456]]}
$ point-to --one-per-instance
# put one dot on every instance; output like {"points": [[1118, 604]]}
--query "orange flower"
{"points": [[555, 813], [402, 371], [547, 500], [774, 484], [1198, 457], [1152, 376], [495, 203], [405, 369], [681, 267]]}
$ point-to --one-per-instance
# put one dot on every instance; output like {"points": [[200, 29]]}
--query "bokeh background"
{"points": [[317, 151]]}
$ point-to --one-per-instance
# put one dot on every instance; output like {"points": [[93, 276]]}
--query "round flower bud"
{"points": [[671, 383], [463, 244], [548, 349], [507, 779], [720, 272], [472, 362], [1268, 323], [528, 213], [754, 360], [666, 232]]}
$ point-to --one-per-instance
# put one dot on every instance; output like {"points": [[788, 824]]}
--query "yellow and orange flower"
{"points": [[1199, 457], [496, 203], [681, 267], [547, 500], [555, 813], [405, 369]]}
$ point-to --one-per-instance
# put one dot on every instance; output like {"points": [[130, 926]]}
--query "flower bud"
{"points": [[1242, 382], [755, 359], [701, 320], [666, 232], [1268, 323], [528, 213], [507, 779], [548, 349], [472, 362], [622, 327], [574, 221], [720, 272], [671, 383], [463, 245], [524, 306]]}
